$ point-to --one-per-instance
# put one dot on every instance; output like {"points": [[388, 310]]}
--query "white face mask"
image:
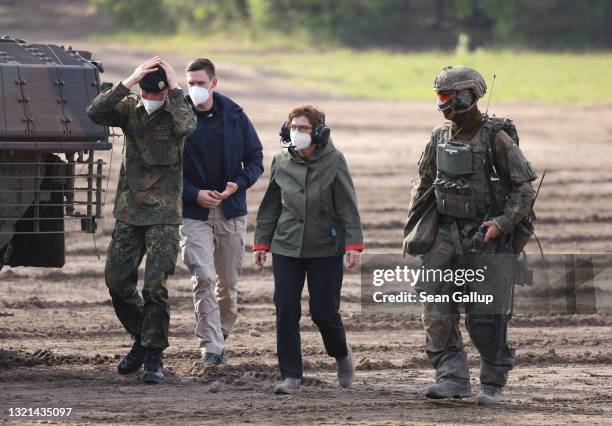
{"points": [[300, 140], [199, 95], [151, 105]]}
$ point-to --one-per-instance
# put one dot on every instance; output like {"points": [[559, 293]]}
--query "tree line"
{"points": [[394, 24]]}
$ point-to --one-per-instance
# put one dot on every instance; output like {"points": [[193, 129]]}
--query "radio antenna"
{"points": [[490, 93]]}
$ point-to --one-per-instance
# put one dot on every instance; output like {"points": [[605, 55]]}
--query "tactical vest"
{"points": [[461, 186]]}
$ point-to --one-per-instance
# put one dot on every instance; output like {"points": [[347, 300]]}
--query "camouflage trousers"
{"points": [[147, 316], [486, 323]]}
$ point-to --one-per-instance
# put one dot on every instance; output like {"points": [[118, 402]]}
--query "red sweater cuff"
{"points": [[358, 247], [265, 247]]}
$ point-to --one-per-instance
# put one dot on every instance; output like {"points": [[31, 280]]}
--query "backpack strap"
{"points": [[490, 169], [493, 126]]}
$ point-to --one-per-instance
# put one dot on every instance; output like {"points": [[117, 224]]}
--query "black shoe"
{"points": [[133, 360], [153, 367], [449, 388]]}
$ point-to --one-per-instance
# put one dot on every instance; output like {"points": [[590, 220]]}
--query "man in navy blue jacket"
{"points": [[222, 159]]}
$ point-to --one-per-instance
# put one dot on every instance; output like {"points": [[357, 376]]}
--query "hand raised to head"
{"points": [[141, 71], [170, 74]]}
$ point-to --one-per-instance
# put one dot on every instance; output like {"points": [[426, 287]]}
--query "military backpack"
{"points": [[524, 230]]}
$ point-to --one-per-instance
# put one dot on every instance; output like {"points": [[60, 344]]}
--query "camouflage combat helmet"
{"points": [[459, 78]]}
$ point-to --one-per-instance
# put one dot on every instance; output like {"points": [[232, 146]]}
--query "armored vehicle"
{"points": [[49, 172]]}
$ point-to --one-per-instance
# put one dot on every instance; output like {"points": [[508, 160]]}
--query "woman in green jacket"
{"points": [[308, 219]]}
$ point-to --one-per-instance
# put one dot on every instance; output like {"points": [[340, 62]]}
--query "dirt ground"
{"points": [[60, 340]]}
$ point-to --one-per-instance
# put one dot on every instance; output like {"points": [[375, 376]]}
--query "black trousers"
{"points": [[324, 275]]}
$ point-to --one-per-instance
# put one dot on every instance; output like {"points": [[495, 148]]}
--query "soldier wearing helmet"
{"points": [[458, 88], [478, 184]]}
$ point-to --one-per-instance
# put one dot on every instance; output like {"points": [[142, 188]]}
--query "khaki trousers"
{"points": [[213, 251]]}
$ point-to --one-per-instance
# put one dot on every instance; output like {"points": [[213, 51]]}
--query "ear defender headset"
{"points": [[464, 100], [320, 133]]}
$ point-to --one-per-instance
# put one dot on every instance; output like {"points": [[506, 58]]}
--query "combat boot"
{"points": [[449, 388], [153, 366], [490, 394], [133, 360]]}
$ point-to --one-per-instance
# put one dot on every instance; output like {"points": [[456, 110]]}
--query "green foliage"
{"points": [[202, 16], [138, 15], [398, 24], [153, 16], [552, 24]]}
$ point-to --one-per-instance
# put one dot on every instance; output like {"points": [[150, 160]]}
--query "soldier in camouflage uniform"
{"points": [[468, 200], [147, 205]]}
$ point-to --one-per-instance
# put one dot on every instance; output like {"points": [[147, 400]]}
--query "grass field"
{"points": [[552, 78]]}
